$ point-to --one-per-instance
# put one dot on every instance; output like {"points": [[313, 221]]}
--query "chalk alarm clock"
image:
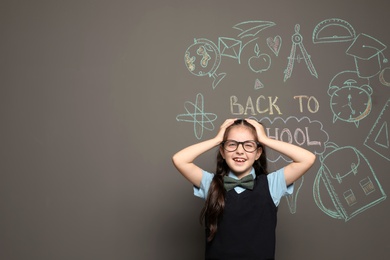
{"points": [[350, 103]]}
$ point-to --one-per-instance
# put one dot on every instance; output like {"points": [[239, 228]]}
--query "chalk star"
{"points": [[200, 119]]}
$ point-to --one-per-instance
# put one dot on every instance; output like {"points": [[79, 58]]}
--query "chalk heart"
{"points": [[274, 44], [260, 63]]}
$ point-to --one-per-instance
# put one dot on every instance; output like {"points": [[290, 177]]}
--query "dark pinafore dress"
{"points": [[246, 231]]}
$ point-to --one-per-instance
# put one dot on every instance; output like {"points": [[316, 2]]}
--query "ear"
{"points": [[259, 152], [222, 152]]}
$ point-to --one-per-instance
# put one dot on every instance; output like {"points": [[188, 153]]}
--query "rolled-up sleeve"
{"points": [[202, 191], [277, 186]]}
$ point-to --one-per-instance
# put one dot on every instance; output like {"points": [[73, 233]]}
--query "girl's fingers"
{"points": [[228, 122]]}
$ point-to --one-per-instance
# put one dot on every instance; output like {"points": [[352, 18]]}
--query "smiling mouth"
{"points": [[239, 160]]}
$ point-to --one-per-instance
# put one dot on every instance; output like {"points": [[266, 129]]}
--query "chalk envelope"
{"points": [[230, 47], [366, 51]]}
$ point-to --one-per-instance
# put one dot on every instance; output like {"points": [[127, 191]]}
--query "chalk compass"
{"points": [[297, 40]]}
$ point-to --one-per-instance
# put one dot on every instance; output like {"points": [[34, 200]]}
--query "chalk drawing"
{"points": [[378, 138], [367, 52], [258, 84], [350, 97], [292, 199], [382, 77], [297, 40], [230, 47], [252, 28], [333, 30], [275, 44], [349, 180], [260, 62], [203, 58], [195, 114], [304, 132]]}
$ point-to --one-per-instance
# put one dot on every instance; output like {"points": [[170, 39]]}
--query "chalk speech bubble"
{"points": [[304, 132]]}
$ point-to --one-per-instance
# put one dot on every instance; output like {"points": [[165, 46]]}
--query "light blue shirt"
{"points": [[276, 183]]}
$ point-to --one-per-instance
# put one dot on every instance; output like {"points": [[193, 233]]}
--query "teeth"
{"points": [[239, 160]]}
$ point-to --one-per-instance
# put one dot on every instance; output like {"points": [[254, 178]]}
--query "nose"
{"points": [[240, 148]]}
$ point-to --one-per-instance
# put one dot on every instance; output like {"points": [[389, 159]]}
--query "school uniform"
{"points": [[246, 230]]}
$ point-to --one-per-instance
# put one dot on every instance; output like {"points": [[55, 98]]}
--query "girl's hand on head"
{"points": [[222, 128], [261, 135]]}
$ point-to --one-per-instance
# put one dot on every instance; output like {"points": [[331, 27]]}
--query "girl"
{"points": [[241, 197]]}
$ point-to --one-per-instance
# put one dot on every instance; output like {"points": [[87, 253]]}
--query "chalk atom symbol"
{"points": [[200, 119]]}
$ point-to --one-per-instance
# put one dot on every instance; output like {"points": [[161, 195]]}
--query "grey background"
{"points": [[89, 94]]}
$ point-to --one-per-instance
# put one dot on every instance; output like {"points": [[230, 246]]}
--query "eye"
{"points": [[250, 145], [231, 144]]}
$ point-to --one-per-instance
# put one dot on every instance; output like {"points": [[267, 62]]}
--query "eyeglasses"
{"points": [[249, 146]]}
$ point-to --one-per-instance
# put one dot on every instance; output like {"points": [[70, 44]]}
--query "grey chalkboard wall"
{"points": [[96, 96]]}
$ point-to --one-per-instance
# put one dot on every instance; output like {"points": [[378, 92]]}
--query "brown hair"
{"points": [[215, 201]]}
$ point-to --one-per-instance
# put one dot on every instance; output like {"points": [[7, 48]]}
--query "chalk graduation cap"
{"points": [[366, 51]]}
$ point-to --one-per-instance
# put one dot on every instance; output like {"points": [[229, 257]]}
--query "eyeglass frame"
{"points": [[242, 144]]}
